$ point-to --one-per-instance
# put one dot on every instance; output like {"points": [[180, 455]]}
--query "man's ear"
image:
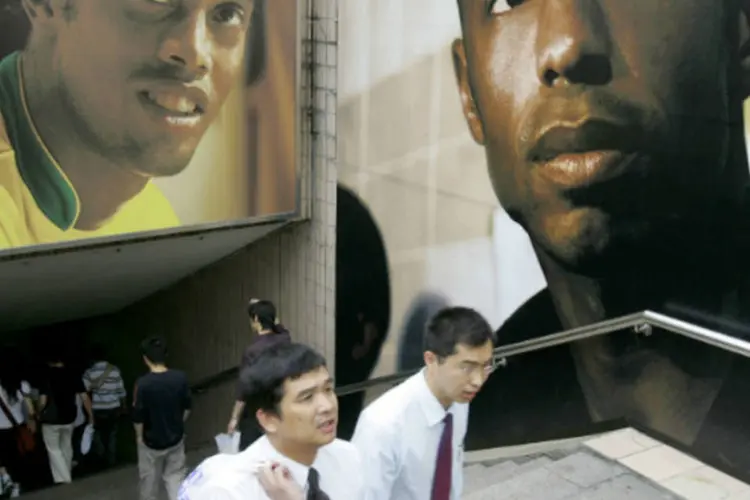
{"points": [[429, 358], [461, 69], [268, 421]]}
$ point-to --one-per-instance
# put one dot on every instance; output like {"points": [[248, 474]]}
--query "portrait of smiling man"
{"points": [[104, 97], [614, 136]]}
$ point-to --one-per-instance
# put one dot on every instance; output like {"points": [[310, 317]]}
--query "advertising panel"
{"points": [[132, 115], [553, 164]]}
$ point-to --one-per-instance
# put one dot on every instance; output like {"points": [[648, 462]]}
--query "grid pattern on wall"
{"points": [[203, 317]]}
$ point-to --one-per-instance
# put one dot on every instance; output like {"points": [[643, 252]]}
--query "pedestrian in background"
{"points": [[268, 332], [162, 405]]}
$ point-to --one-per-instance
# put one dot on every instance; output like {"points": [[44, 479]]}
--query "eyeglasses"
{"points": [[484, 370]]}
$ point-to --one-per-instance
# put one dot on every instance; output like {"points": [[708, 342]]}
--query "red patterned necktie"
{"points": [[441, 484]]}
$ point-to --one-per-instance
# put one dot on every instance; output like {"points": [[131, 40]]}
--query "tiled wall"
{"points": [[203, 317], [405, 150]]}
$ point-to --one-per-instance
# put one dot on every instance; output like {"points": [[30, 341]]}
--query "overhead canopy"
{"points": [[53, 285]]}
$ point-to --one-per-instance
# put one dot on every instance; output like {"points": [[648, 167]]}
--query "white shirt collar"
{"points": [[433, 410], [266, 449]]}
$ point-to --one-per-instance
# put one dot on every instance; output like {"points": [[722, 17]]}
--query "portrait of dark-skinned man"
{"points": [[88, 121], [614, 137]]}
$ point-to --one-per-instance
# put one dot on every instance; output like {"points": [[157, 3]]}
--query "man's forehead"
{"points": [[308, 381], [479, 354]]}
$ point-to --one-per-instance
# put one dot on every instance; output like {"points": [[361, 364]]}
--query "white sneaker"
{"points": [[16, 491]]}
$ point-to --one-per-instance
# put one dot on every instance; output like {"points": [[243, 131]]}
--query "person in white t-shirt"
{"points": [[16, 409], [290, 391]]}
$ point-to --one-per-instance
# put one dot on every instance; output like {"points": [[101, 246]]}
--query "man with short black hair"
{"points": [[290, 391], [411, 438], [161, 407]]}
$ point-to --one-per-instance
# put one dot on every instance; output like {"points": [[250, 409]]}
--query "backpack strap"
{"points": [[96, 384]]}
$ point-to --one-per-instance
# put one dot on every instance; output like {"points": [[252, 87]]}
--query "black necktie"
{"points": [[313, 487]]}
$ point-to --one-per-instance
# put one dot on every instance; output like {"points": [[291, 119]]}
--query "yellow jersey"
{"points": [[38, 204]]}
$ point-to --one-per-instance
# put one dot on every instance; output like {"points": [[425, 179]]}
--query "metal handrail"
{"points": [[564, 337], [641, 322], [374, 382], [699, 333]]}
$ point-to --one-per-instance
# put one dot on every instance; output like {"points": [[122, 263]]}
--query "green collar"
{"points": [[51, 189]]}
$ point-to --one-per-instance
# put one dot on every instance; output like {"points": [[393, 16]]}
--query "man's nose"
{"points": [[326, 403], [478, 377], [188, 46], [573, 44]]}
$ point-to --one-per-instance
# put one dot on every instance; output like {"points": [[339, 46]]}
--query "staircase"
{"points": [[572, 473], [569, 474]]}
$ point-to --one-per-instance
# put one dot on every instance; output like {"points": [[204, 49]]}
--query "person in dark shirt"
{"points": [[60, 388], [268, 332], [161, 407]]}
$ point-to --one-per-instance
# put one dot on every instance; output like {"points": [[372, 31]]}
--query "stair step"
{"points": [[586, 469], [477, 477], [538, 483], [625, 487], [578, 475], [498, 473], [474, 477]]}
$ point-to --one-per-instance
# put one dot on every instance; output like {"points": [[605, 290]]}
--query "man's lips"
{"points": [[576, 155], [327, 425], [174, 103], [177, 99], [574, 170]]}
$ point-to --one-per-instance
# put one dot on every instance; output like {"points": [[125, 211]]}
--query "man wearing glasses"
{"points": [[411, 438]]}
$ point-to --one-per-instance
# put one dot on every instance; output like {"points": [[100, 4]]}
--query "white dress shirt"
{"points": [[398, 437], [232, 477]]}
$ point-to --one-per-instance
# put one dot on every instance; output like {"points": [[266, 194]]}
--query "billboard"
{"points": [[193, 121], [554, 164]]}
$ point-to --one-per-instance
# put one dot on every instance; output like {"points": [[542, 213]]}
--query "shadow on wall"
{"points": [[363, 300], [423, 307], [255, 55], [14, 27]]}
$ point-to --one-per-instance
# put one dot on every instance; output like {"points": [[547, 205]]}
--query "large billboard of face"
{"points": [[555, 163], [126, 116]]}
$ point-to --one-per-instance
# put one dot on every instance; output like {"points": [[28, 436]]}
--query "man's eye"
{"points": [[500, 6], [230, 14]]}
